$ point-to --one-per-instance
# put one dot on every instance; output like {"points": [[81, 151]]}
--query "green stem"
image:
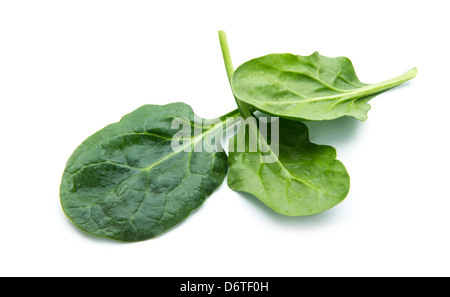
{"points": [[243, 107], [232, 114], [226, 54], [244, 110], [389, 84]]}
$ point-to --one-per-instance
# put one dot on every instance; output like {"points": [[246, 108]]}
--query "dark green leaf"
{"points": [[126, 182]]}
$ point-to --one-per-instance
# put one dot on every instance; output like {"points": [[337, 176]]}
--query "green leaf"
{"points": [[127, 183], [305, 179], [307, 87]]}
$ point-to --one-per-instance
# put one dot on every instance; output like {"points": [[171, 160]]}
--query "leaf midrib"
{"points": [[283, 168], [352, 94], [195, 141]]}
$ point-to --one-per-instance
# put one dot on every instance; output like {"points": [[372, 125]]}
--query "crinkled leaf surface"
{"points": [[306, 179], [311, 87], [126, 182]]}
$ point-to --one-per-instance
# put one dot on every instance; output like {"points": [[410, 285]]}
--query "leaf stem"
{"points": [[243, 107], [388, 84], [232, 114], [244, 110]]}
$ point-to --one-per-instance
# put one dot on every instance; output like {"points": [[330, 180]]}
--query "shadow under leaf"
{"points": [[304, 221], [335, 132]]}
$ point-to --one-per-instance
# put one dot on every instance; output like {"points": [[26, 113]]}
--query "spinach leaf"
{"points": [[307, 87], [301, 179], [305, 178], [127, 183]]}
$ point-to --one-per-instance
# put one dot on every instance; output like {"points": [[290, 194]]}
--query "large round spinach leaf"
{"points": [[127, 183]]}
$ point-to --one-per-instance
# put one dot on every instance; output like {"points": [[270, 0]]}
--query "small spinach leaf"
{"points": [[305, 179], [311, 87], [127, 183]]}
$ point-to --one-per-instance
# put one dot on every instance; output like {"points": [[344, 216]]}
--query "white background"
{"points": [[68, 68]]}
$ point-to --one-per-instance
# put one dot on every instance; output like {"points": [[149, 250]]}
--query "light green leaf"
{"points": [[307, 87], [126, 182], [305, 179]]}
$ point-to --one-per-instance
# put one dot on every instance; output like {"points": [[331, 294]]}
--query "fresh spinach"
{"points": [[139, 177], [307, 87], [303, 179], [127, 183]]}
